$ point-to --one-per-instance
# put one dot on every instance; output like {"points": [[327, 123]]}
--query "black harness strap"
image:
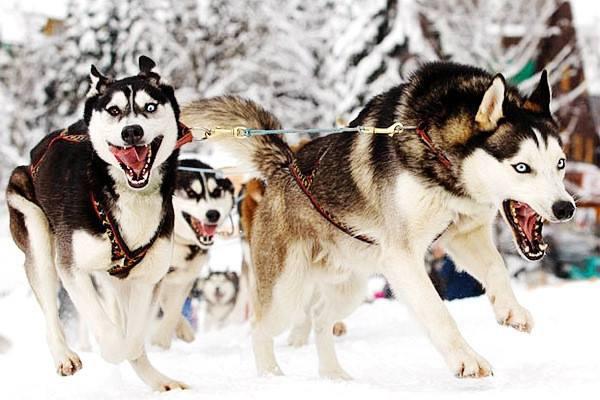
{"points": [[305, 182], [62, 136], [119, 249]]}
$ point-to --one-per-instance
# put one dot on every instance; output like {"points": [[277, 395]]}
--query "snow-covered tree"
{"points": [[371, 46], [502, 36], [278, 64]]}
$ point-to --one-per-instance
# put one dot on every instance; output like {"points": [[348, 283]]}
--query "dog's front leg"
{"points": [[141, 310], [172, 296], [474, 251], [147, 373], [109, 336], [408, 277]]}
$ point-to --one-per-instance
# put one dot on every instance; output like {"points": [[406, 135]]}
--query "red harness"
{"points": [[305, 183], [119, 249]]}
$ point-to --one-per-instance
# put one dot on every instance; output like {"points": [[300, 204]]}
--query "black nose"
{"points": [[132, 134], [563, 209], [212, 215]]}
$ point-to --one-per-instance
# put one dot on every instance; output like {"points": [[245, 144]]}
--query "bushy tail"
{"points": [[267, 154]]}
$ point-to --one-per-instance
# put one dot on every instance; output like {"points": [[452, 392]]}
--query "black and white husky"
{"points": [[97, 199], [203, 201], [349, 205]]}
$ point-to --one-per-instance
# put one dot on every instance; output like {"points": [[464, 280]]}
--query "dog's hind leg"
{"points": [[274, 319], [299, 333], [333, 302], [409, 278], [323, 319], [31, 231], [475, 252]]}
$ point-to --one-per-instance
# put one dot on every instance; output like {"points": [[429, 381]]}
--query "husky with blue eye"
{"points": [[347, 206], [203, 201], [97, 200]]}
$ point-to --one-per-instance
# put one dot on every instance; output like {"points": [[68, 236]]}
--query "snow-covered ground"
{"points": [[385, 351]]}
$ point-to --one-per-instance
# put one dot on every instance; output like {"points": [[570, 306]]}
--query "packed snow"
{"points": [[385, 351]]}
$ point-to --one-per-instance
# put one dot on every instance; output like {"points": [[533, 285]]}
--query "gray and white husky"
{"points": [[480, 147], [97, 199], [203, 201]]}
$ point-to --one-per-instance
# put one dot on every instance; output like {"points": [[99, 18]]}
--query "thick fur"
{"points": [[197, 194], [269, 155], [395, 190], [254, 192], [52, 220]]}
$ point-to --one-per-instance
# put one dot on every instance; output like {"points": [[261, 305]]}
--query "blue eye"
{"points": [[562, 163], [522, 168], [150, 107]]}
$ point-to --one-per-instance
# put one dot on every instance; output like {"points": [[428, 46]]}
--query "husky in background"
{"points": [[203, 201], [480, 147], [220, 293], [97, 199]]}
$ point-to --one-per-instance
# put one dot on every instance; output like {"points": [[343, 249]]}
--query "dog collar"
{"points": [[185, 135], [440, 155]]}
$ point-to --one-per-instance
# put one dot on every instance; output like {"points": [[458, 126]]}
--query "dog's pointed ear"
{"points": [[490, 109], [98, 82], [146, 65], [539, 100]]}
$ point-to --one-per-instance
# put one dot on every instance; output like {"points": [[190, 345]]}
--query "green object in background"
{"points": [[590, 269], [527, 72]]}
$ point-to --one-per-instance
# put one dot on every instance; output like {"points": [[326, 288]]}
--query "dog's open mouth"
{"points": [[137, 161], [526, 227], [204, 232]]}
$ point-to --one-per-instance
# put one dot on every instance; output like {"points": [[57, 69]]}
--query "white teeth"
{"points": [[543, 246], [526, 249]]}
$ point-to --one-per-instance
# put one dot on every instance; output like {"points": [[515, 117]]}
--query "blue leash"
{"points": [[243, 132], [260, 132]]}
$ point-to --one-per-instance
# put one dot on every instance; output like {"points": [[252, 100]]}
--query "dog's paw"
{"points": [[272, 370], [69, 364], [335, 374], [169, 384], [184, 331], [514, 316], [339, 329], [465, 363]]}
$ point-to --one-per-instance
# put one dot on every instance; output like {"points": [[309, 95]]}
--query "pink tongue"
{"points": [[134, 157], [208, 230], [528, 219]]}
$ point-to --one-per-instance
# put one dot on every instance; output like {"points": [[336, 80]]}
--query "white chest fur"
{"points": [[425, 211], [139, 216]]}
